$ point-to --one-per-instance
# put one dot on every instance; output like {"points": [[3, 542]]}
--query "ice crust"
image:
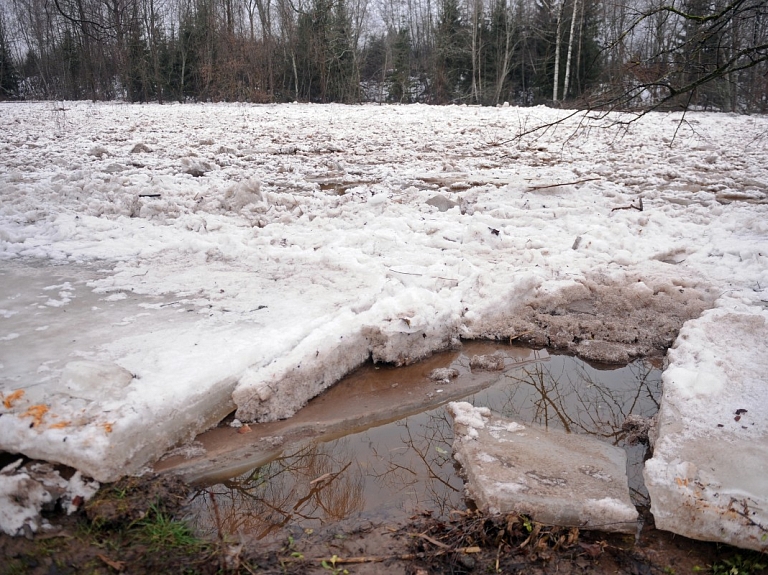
{"points": [[246, 257], [554, 477], [707, 475]]}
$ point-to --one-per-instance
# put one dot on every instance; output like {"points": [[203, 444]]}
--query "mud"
{"points": [[600, 318], [132, 498], [466, 542]]}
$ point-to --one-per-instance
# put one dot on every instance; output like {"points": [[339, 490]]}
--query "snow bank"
{"points": [[245, 257]]}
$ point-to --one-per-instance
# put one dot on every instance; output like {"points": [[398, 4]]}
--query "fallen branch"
{"points": [[534, 188], [431, 540], [639, 207], [519, 335], [116, 565], [382, 558]]}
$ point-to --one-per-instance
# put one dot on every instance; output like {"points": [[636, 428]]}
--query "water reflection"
{"points": [[390, 472], [422, 465], [567, 393], [315, 485]]}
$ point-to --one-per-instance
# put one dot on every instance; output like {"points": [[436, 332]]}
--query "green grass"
{"points": [[159, 531], [738, 564]]}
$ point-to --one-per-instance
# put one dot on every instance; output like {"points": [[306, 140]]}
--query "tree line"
{"points": [[600, 54]]}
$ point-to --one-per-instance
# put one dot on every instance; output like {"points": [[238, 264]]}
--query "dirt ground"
{"points": [[132, 527]]}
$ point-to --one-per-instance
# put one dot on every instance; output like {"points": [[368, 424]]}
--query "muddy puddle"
{"points": [[377, 446]]}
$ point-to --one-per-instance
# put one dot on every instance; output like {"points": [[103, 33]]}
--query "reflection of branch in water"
{"points": [[547, 395], [580, 401], [423, 460], [317, 483], [317, 488], [420, 453]]}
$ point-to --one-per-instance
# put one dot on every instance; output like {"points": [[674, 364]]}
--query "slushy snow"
{"points": [[162, 266]]}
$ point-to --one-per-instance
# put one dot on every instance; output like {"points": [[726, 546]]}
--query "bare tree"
{"points": [[558, 9], [566, 82]]}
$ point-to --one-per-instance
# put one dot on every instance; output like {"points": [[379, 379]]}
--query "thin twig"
{"points": [[381, 558], [563, 184], [431, 540], [638, 207]]}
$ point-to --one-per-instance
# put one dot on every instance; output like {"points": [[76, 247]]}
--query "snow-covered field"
{"points": [[164, 265]]}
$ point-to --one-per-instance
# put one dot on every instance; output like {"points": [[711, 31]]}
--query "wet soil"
{"points": [[118, 532]]}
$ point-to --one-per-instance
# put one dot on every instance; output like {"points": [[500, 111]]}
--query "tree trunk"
{"points": [[556, 74], [475, 89], [570, 50]]}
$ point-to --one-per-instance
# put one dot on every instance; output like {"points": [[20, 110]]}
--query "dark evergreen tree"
{"points": [[326, 60], [499, 51], [9, 78], [453, 57], [343, 78], [140, 85], [400, 76]]}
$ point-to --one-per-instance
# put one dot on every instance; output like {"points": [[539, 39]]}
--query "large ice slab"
{"points": [[554, 477], [707, 478], [106, 380]]}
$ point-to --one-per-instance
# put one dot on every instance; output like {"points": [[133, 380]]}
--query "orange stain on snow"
{"points": [[9, 399], [37, 412]]}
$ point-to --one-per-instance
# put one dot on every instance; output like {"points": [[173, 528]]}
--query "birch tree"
{"points": [[567, 79], [557, 7]]}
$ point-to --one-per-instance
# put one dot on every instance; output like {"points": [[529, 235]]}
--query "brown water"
{"points": [[377, 446]]}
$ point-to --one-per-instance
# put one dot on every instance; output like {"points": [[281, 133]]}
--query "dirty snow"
{"points": [[26, 490], [245, 257]]}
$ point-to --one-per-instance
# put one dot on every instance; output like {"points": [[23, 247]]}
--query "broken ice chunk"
{"points": [[555, 477], [443, 374], [493, 362], [27, 490]]}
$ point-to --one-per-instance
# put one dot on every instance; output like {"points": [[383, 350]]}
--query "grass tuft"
{"points": [[159, 531]]}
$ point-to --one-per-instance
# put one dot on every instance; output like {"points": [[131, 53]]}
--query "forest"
{"points": [[593, 54]]}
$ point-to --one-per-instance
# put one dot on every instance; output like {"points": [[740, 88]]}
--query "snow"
{"points": [[711, 455], [233, 256], [16, 512], [468, 416], [26, 490]]}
